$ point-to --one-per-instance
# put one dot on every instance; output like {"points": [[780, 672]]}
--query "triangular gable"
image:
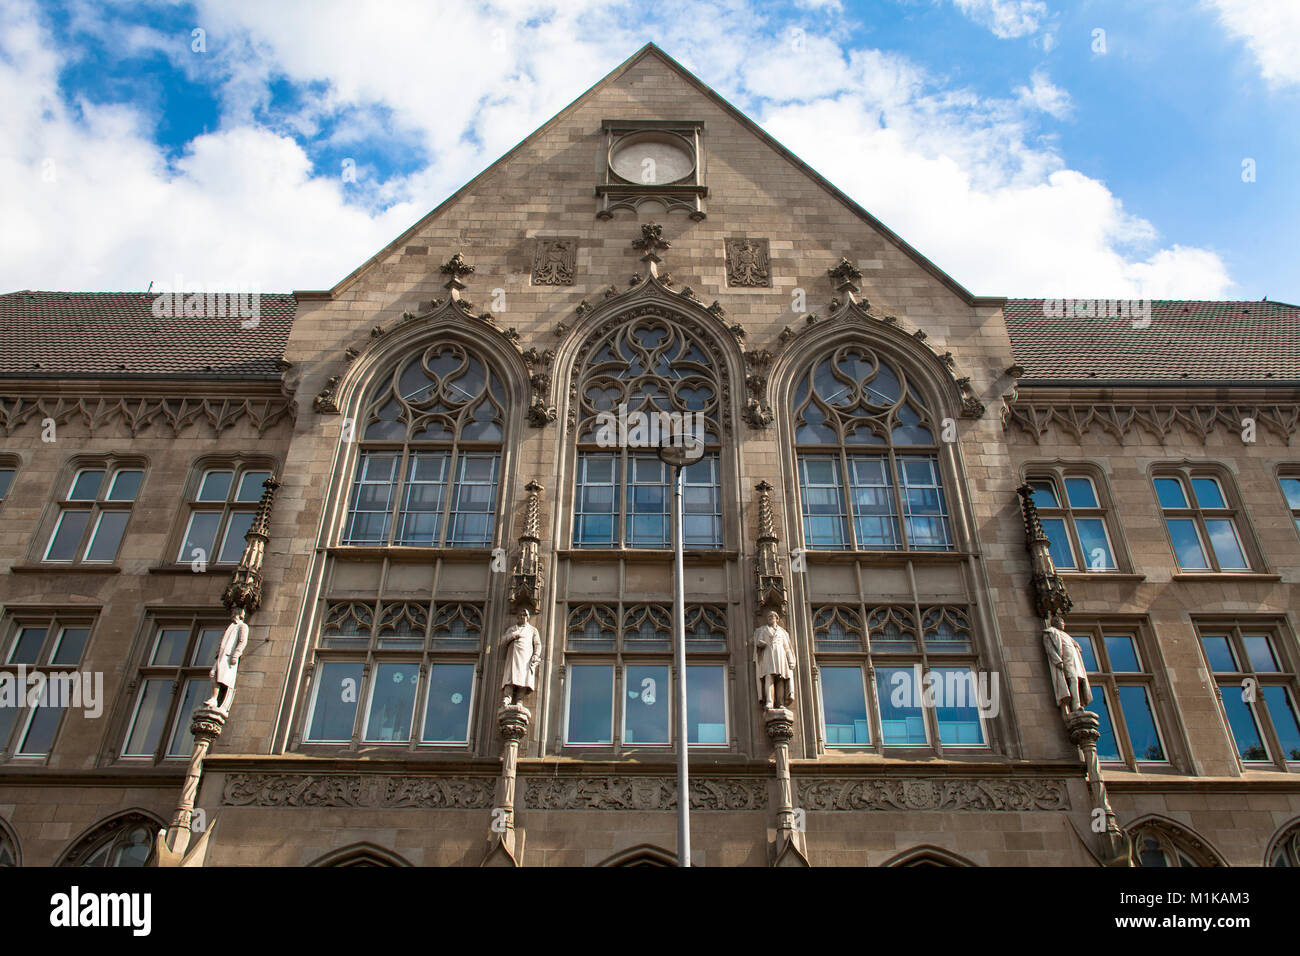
{"points": [[650, 49]]}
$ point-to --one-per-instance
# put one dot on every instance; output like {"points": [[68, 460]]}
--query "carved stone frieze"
{"points": [[457, 793], [392, 791], [642, 793], [1159, 420], [749, 262], [554, 261], [933, 793], [134, 414], [295, 790]]}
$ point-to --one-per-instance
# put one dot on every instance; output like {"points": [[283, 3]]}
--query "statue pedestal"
{"points": [[505, 840], [788, 846], [1083, 726], [171, 846]]}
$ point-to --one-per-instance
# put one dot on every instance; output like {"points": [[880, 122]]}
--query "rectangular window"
{"points": [[6, 479], [902, 720], [439, 499], [844, 707], [334, 702], [874, 517], [957, 706], [596, 511], [392, 702], [1291, 491], [1074, 521], [1123, 695], [1254, 668], [591, 704], [647, 705], [706, 705], [1202, 523], [645, 500], [222, 509], [173, 682], [49, 645], [447, 708], [825, 521], [395, 672], [924, 510], [93, 516]]}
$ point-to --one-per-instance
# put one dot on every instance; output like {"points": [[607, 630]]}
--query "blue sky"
{"points": [[1028, 147]]}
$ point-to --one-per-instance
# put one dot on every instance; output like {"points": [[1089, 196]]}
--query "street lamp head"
{"points": [[681, 449]]}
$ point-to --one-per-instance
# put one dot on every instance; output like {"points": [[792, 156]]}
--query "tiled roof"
{"points": [[110, 334], [1186, 340]]}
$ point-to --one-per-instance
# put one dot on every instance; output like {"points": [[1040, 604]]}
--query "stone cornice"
{"points": [[166, 407], [1157, 419]]}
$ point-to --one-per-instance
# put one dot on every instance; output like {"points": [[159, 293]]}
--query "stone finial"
{"points": [[652, 241], [844, 277], [456, 267], [1050, 594], [768, 569], [526, 576], [245, 588]]}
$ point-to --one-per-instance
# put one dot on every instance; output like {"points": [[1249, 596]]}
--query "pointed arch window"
{"points": [[643, 378], [867, 448], [429, 469]]}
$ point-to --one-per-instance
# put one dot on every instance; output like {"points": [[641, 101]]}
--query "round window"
{"points": [[652, 158]]}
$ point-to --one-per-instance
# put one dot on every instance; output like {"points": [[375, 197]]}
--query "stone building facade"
{"points": [[434, 422]]}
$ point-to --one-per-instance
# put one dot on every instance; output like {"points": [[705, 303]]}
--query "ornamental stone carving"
{"points": [[294, 790], [642, 793], [749, 262], [933, 793], [554, 261], [456, 793], [136, 413], [357, 790], [1159, 420]]}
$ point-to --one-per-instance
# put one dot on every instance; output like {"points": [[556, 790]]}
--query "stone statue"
{"points": [[1069, 673], [226, 668], [775, 660], [523, 652]]}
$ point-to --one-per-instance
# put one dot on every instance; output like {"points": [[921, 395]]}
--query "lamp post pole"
{"points": [[678, 455]]}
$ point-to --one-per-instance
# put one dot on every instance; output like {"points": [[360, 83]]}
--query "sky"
{"points": [[1102, 148]]}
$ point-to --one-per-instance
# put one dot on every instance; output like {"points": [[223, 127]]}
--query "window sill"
{"points": [[649, 554], [1225, 576], [1100, 576], [65, 569], [408, 552], [222, 569], [829, 556]]}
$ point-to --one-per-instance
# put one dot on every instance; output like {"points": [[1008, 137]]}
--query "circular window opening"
{"points": [[652, 158]]}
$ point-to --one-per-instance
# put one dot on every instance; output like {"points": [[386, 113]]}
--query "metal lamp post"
{"points": [[678, 452]]}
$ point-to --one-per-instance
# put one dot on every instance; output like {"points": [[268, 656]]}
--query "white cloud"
{"points": [[1271, 28], [1006, 18], [964, 178], [1043, 95]]}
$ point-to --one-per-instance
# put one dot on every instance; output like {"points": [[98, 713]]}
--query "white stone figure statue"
{"points": [[226, 668], [522, 646], [775, 660], [1069, 672]]}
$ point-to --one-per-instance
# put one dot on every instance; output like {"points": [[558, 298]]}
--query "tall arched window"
{"points": [[640, 378], [430, 461], [641, 372], [895, 633], [868, 457]]}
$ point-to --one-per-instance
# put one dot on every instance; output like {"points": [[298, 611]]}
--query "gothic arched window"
{"points": [[867, 447], [431, 433], [1158, 843], [8, 847], [643, 379], [125, 841]]}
